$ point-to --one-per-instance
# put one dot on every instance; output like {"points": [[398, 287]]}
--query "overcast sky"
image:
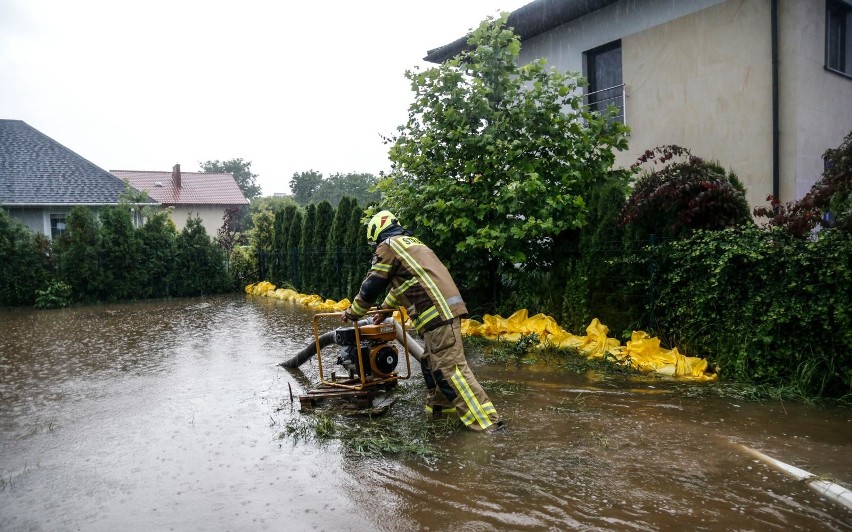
{"points": [[289, 86]]}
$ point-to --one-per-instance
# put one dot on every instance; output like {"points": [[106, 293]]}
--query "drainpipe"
{"points": [[776, 133]]}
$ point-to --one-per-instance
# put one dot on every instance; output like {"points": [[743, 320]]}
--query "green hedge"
{"points": [[764, 306]]}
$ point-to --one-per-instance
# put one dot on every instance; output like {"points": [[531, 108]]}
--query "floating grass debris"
{"points": [[504, 389], [407, 432]]}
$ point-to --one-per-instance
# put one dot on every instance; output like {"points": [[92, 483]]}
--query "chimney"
{"points": [[176, 175]]}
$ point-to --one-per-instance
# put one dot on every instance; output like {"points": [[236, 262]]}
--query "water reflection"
{"points": [[167, 415]]}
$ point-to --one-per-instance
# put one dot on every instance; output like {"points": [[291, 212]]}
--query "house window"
{"points": [[57, 225], [838, 45], [603, 70]]}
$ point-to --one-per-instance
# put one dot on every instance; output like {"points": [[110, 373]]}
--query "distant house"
{"points": [[189, 194], [762, 86], [41, 180]]}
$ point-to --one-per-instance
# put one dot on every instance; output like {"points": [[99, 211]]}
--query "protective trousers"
{"points": [[450, 382]]}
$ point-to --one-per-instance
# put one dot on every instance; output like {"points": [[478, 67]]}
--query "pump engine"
{"points": [[375, 354]]}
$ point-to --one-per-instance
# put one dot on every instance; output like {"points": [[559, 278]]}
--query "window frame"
{"points": [[834, 10], [589, 67], [55, 230]]}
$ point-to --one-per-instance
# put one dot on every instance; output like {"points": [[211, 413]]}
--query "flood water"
{"points": [[168, 415]]}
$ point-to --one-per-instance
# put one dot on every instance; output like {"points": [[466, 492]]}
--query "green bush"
{"points": [[57, 295], [827, 204], [243, 266], [200, 265], [684, 196], [78, 254], [764, 306], [120, 255], [157, 241], [26, 263]]}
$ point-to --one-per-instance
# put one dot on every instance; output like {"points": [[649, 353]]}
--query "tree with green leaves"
{"points": [[358, 259], [303, 185], [262, 239], [199, 266], [358, 186], [241, 170], [496, 159], [294, 239], [157, 240], [322, 229], [306, 243], [333, 265], [25, 266], [283, 221], [78, 257], [119, 253]]}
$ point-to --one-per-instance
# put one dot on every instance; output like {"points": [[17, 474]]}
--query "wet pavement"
{"points": [[168, 415]]}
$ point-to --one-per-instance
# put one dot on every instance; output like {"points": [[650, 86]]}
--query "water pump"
{"points": [[375, 354]]}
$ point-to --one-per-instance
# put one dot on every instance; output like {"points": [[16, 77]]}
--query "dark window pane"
{"points": [[838, 45], [603, 69]]}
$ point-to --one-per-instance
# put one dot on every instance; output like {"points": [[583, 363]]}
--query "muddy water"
{"points": [[166, 416]]}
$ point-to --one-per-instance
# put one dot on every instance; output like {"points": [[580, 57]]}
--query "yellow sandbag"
{"points": [[642, 352], [597, 343], [311, 301], [646, 354]]}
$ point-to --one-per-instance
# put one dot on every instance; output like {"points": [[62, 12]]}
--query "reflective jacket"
{"points": [[419, 282]]}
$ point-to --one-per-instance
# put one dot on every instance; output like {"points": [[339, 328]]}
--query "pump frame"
{"points": [[365, 381]]}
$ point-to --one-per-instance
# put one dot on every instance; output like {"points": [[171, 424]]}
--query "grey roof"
{"points": [[528, 21], [37, 170]]}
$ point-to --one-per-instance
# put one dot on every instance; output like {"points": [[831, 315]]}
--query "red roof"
{"points": [[196, 188]]}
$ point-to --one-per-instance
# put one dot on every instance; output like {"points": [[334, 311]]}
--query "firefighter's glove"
{"points": [[348, 315], [380, 317]]}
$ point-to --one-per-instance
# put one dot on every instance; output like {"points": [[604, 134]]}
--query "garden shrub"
{"points": [[119, 253], [200, 264], [243, 266], [157, 241], [78, 255], [827, 204], [57, 295], [766, 307], [684, 196], [26, 264]]}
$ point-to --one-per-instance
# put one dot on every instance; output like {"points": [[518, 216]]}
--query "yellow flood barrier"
{"points": [[642, 352], [310, 301]]}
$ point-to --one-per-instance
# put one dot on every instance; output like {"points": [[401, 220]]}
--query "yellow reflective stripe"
{"points": [[406, 285], [468, 418], [379, 267], [390, 300], [470, 400], [358, 309], [424, 277], [488, 408], [424, 317]]}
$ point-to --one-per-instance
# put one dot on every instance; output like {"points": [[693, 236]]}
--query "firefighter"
{"points": [[421, 283]]}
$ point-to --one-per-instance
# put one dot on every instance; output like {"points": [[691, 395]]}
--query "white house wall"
{"points": [[563, 47], [698, 73], [704, 81], [212, 217], [33, 218], [816, 105]]}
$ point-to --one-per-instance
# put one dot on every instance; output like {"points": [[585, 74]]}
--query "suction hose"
{"points": [[831, 490], [414, 347], [328, 338], [310, 350]]}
